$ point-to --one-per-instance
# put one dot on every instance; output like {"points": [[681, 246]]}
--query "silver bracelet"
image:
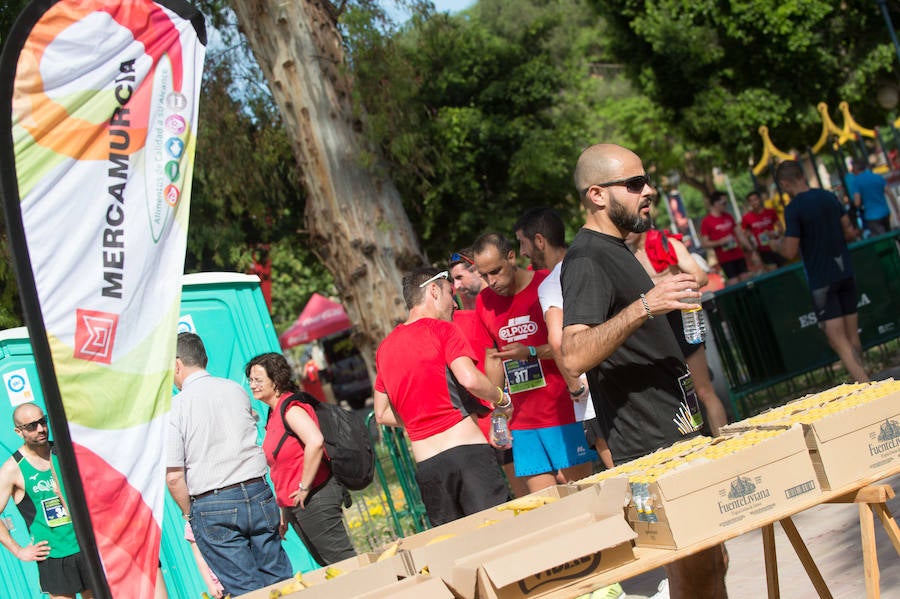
{"points": [[646, 306]]}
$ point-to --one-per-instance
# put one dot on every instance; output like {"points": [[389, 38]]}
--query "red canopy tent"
{"points": [[320, 317]]}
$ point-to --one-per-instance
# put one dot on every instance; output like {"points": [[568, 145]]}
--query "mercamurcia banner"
{"points": [[99, 118]]}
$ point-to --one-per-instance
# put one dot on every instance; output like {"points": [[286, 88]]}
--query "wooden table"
{"points": [[869, 496]]}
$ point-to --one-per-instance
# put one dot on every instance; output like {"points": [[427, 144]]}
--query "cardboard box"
{"points": [[856, 443], [478, 520], [704, 498], [414, 587], [521, 569], [364, 579], [554, 544]]}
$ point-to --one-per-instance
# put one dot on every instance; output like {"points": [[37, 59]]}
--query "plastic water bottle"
{"points": [[692, 320], [500, 430]]}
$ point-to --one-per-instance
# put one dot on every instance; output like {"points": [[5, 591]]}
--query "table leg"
{"points": [[870, 555], [805, 558], [890, 525], [768, 537]]}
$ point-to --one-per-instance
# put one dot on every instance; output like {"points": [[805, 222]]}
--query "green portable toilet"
{"points": [[229, 313], [20, 385]]}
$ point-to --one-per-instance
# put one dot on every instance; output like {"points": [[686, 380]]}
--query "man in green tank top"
{"points": [[27, 478]]}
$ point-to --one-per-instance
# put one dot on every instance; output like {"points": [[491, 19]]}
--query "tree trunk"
{"points": [[357, 223]]}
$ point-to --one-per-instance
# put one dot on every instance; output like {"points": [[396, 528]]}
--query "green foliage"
{"points": [[719, 70], [482, 115]]}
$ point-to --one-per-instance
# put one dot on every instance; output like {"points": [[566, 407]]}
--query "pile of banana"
{"points": [[298, 583], [524, 504], [640, 465], [810, 408]]}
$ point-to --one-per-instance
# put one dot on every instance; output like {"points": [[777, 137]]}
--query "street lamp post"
{"points": [[890, 25]]}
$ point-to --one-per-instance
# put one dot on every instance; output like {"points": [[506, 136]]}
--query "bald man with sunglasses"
{"points": [[615, 331], [27, 478]]}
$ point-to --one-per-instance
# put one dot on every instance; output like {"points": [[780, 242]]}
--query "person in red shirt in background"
{"points": [[719, 232], [764, 228], [312, 382], [467, 284]]}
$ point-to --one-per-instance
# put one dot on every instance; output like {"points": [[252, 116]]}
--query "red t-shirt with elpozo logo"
{"points": [[539, 392]]}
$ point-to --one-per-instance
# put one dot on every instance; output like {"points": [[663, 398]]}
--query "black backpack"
{"points": [[348, 447]]}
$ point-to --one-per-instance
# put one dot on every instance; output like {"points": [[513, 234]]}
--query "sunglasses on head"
{"points": [[631, 184], [441, 275], [457, 257], [32, 426]]}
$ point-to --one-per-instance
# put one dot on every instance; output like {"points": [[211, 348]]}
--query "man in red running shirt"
{"points": [[719, 232], [546, 437], [763, 226], [426, 382]]}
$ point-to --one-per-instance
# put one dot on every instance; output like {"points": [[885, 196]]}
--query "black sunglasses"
{"points": [[631, 184], [32, 426]]}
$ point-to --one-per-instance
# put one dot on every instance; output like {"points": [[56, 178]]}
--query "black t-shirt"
{"points": [[815, 217], [638, 389]]}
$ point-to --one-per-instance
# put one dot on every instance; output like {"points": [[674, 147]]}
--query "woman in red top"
{"points": [[309, 496]]}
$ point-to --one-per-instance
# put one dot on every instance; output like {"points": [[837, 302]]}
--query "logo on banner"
{"points": [[186, 324], [176, 124], [175, 147], [95, 333], [171, 193], [17, 387], [176, 101]]}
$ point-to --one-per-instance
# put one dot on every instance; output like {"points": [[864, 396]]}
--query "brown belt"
{"points": [[258, 479]]}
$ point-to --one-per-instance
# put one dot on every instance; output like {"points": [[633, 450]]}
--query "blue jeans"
{"points": [[237, 533]]}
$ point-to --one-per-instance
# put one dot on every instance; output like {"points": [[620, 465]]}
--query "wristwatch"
{"points": [[302, 487], [578, 392]]}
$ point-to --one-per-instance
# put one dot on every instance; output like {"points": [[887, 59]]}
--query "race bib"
{"points": [[730, 245], [523, 375], [55, 513], [763, 238]]}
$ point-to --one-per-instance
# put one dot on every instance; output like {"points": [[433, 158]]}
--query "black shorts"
{"points": [[734, 269], [460, 481], [592, 431], [879, 226], [835, 300], [63, 575], [770, 257], [504, 456]]}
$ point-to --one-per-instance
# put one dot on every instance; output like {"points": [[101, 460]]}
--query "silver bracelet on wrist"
{"points": [[646, 306]]}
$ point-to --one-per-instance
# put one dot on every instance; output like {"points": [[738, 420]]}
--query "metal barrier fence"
{"points": [[766, 331]]}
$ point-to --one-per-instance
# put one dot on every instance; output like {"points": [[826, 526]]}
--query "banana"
{"points": [[524, 504], [487, 523], [441, 538], [389, 552], [274, 594], [293, 586], [425, 570], [332, 572]]}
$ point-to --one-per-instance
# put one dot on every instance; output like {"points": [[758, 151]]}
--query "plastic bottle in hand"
{"points": [[692, 321], [500, 430]]}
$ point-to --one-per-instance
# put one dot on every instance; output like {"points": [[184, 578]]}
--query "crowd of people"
{"points": [[750, 244], [581, 355]]}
